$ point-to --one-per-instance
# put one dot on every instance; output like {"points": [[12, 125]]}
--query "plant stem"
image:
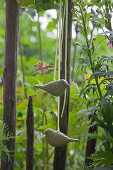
{"points": [[91, 143], [22, 67], [43, 112], [74, 57], [39, 34], [108, 16], [47, 148], [43, 115], [89, 52]]}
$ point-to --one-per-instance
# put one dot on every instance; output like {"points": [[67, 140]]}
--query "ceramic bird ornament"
{"points": [[57, 139], [55, 88]]}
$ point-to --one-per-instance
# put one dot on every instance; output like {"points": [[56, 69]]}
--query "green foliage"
{"points": [[107, 117], [45, 4], [97, 88], [38, 4], [103, 158], [4, 137], [52, 124], [25, 3]]}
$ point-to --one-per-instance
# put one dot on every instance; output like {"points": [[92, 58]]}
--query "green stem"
{"points": [[56, 52], [22, 68], [89, 52], [39, 33], [43, 111], [108, 16], [74, 56]]}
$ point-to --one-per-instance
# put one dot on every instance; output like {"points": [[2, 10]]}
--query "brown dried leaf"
{"points": [[37, 72], [42, 66]]}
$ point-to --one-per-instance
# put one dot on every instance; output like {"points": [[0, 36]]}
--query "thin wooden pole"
{"points": [[30, 135], [10, 78]]}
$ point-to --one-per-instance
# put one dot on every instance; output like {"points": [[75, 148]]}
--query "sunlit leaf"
{"points": [[52, 124], [25, 3]]}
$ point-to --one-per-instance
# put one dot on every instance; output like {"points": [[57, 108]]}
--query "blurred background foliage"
{"points": [[80, 107]]}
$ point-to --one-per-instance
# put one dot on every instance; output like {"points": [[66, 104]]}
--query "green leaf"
{"points": [[75, 131], [4, 136], [102, 74], [22, 104], [101, 137], [52, 124], [20, 135], [45, 4], [104, 168], [102, 158], [87, 89], [100, 123], [25, 3]]}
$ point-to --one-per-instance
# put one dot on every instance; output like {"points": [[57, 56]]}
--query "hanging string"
{"points": [[60, 13], [63, 20], [56, 52], [66, 35], [60, 28]]}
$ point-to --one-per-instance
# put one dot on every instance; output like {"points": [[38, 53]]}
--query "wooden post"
{"points": [[30, 135], [61, 152], [10, 78], [91, 144]]}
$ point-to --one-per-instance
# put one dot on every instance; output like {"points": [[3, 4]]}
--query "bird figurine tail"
{"points": [[39, 86], [57, 139], [73, 140]]}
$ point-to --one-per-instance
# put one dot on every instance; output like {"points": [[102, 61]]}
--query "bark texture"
{"points": [[91, 144], [10, 77], [30, 135], [61, 152]]}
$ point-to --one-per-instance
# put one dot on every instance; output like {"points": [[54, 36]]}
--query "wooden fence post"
{"points": [[10, 79], [30, 135]]}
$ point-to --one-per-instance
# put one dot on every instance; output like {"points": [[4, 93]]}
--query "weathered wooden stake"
{"points": [[30, 135], [10, 78], [91, 144]]}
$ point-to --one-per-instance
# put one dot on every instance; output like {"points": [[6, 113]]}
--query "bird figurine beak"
{"points": [[55, 88]]}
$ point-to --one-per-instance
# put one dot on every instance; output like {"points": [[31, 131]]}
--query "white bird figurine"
{"points": [[57, 139], [56, 88]]}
